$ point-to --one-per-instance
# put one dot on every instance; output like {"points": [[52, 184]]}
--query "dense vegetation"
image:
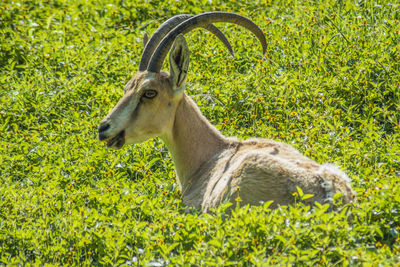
{"points": [[331, 88]]}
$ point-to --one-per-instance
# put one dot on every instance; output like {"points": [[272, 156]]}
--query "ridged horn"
{"points": [[165, 28], [201, 20]]}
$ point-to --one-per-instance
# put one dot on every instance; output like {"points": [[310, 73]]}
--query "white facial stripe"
{"points": [[146, 82], [129, 109], [122, 112]]}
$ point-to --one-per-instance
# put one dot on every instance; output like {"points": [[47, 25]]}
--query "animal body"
{"points": [[210, 167]]}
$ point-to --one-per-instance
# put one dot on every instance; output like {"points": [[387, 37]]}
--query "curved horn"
{"points": [[201, 20], [213, 29], [165, 28]]}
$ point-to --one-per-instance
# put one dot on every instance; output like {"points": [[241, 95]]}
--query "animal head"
{"points": [[151, 97]]}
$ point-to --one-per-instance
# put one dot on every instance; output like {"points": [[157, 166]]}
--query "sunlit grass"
{"points": [[330, 86]]}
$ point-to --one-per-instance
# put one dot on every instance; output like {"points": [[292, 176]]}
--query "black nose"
{"points": [[102, 128]]}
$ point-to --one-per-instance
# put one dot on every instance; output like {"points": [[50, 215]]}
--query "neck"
{"points": [[192, 140]]}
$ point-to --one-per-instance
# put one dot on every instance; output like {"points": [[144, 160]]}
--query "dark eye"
{"points": [[150, 94]]}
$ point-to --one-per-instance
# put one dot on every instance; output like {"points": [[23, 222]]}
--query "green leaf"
{"points": [[307, 196], [300, 192]]}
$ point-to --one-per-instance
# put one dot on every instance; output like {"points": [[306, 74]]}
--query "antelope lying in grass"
{"points": [[210, 167]]}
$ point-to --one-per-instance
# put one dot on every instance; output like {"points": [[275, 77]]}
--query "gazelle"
{"points": [[210, 167]]}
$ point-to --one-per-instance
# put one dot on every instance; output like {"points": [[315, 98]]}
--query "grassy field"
{"points": [[331, 89]]}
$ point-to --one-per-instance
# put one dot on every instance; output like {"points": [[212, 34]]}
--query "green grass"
{"points": [[331, 89]]}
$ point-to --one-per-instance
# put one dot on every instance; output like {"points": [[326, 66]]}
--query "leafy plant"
{"points": [[330, 86]]}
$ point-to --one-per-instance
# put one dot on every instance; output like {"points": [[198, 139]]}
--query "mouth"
{"points": [[117, 141]]}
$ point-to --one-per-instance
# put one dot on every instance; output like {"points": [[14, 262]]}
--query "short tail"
{"points": [[336, 182]]}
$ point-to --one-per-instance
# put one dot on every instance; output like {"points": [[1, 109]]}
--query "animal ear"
{"points": [[178, 62], [145, 39]]}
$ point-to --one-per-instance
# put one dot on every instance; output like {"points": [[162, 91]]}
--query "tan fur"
{"points": [[262, 169]]}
